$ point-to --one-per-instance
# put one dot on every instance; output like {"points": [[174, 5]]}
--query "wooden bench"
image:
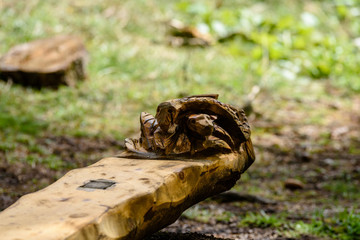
{"points": [[126, 197]]}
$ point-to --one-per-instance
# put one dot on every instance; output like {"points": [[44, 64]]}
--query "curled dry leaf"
{"points": [[182, 35]]}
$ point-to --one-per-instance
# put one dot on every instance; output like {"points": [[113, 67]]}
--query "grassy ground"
{"points": [[304, 56]]}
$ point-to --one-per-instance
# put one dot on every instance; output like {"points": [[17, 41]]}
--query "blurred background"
{"points": [[294, 66]]}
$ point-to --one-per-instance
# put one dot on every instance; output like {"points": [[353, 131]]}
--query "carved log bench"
{"points": [[142, 190]]}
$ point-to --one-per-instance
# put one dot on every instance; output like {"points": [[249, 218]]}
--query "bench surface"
{"points": [[118, 198]]}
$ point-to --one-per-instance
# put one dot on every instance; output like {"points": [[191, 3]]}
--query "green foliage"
{"points": [[288, 41]]}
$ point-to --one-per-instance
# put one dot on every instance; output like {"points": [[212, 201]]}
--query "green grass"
{"points": [[345, 189], [262, 220], [132, 68], [344, 225], [206, 215]]}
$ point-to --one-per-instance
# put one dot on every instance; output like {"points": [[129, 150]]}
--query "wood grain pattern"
{"points": [[147, 196]]}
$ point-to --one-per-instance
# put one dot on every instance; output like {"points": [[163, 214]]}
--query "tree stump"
{"points": [[50, 62], [146, 187]]}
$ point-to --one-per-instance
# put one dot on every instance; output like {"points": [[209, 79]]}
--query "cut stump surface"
{"points": [[49, 62], [118, 198]]}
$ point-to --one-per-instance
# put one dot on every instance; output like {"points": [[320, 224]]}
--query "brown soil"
{"points": [[181, 236]]}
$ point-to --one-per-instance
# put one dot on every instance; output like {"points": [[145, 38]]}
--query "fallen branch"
{"points": [[231, 196]]}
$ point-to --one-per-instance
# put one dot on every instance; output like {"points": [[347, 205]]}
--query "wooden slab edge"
{"points": [[146, 196]]}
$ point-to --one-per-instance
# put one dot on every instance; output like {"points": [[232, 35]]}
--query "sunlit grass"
{"points": [[132, 69]]}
